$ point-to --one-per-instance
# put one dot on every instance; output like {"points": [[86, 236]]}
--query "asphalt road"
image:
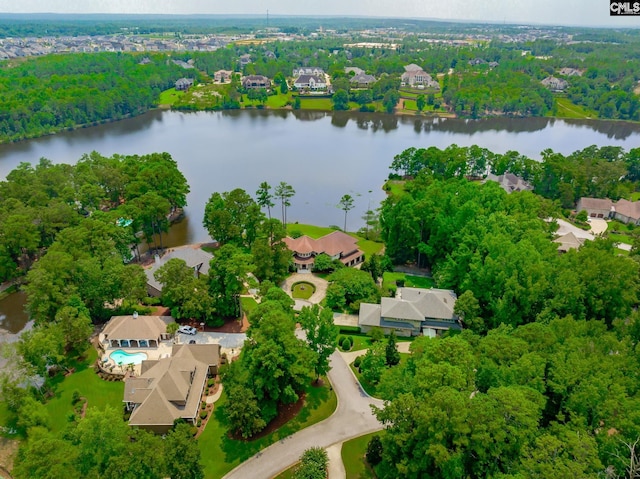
{"points": [[352, 418]]}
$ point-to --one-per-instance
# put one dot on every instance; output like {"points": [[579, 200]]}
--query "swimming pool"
{"points": [[122, 357]]}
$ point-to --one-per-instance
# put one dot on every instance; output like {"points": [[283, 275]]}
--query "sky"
{"points": [[553, 12]]}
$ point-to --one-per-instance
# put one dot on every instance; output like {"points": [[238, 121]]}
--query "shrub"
{"points": [[75, 397], [71, 417], [203, 414], [376, 334], [374, 451], [151, 301], [295, 234], [199, 422], [203, 405], [194, 431], [346, 344], [356, 363], [211, 382]]}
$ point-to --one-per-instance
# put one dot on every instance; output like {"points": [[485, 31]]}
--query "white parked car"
{"points": [[187, 330]]}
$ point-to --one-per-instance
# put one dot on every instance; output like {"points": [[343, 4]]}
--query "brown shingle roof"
{"points": [[171, 387], [628, 208], [596, 203], [332, 244], [142, 327]]}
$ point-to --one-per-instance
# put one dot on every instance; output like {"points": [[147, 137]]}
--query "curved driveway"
{"points": [[352, 418], [319, 283]]}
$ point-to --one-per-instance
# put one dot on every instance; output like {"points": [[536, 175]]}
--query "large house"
{"points": [[170, 388], [223, 76], [362, 80], [337, 245], [621, 210], [184, 84], [415, 76], [195, 258], [308, 71], [413, 312], [509, 182], [256, 81], [555, 84], [136, 332], [310, 82]]}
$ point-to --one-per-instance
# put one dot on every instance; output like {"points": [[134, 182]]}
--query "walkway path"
{"points": [[352, 418]]}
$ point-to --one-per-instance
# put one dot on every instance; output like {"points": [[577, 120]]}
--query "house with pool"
{"points": [[131, 339]]}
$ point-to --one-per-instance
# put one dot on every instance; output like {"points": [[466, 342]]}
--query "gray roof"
{"points": [[432, 303], [369, 314], [363, 78], [399, 309], [194, 257]]}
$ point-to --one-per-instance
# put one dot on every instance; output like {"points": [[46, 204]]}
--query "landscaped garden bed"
{"points": [[302, 290]]}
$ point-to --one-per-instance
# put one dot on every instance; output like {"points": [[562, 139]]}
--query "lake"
{"points": [[322, 155]]}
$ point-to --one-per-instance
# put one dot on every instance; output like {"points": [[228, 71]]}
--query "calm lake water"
{"points": [[322, 155]]}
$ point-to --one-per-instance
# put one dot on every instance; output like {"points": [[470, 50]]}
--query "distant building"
{"points": [[184, 84], [415, 76], [362, 80], [570, 72], [355, 70], [555, 84], [568, 242], [256, 81], [245, 59], [223, 76], [509, 182], [413, 312], [308, 71]]}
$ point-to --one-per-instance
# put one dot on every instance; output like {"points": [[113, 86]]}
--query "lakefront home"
{"points": [[413, 312], [196, 258], [337, 245]]}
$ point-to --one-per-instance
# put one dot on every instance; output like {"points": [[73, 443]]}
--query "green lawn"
{"points": [[395, 187], [279, 100], [288, 474], [618, 238], [220, 454], [247, 304], [389, 280], [568, 109], [170, 96], [316, 104], [367, 246], [99, 393], [353, 457], [635, 196], [302, 290]]}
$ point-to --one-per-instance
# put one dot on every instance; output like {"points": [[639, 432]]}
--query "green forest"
{"points": [[543, 380]]}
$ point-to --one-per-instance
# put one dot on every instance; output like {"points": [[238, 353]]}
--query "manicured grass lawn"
{"points": [[353, 457], [316, 104], [302, 290], [248, 304], [279, 100], [312, 231], [288, 474], [99, 393], [635, 196], [389, 280], [220, 454], [618, 238], [170, 96], [568, 109], [367, 246]]}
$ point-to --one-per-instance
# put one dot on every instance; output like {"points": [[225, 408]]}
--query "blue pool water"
{"points": [[122, 357]]}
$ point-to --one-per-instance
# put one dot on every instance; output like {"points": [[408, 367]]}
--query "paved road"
{"points": [[352, 418]]}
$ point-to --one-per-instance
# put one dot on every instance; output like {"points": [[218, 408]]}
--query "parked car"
{"points": [[187, 330]]}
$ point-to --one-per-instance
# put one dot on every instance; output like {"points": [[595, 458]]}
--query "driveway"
{"points": [[564, 227], [352, 418], [229, 342], [319, 283]]}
